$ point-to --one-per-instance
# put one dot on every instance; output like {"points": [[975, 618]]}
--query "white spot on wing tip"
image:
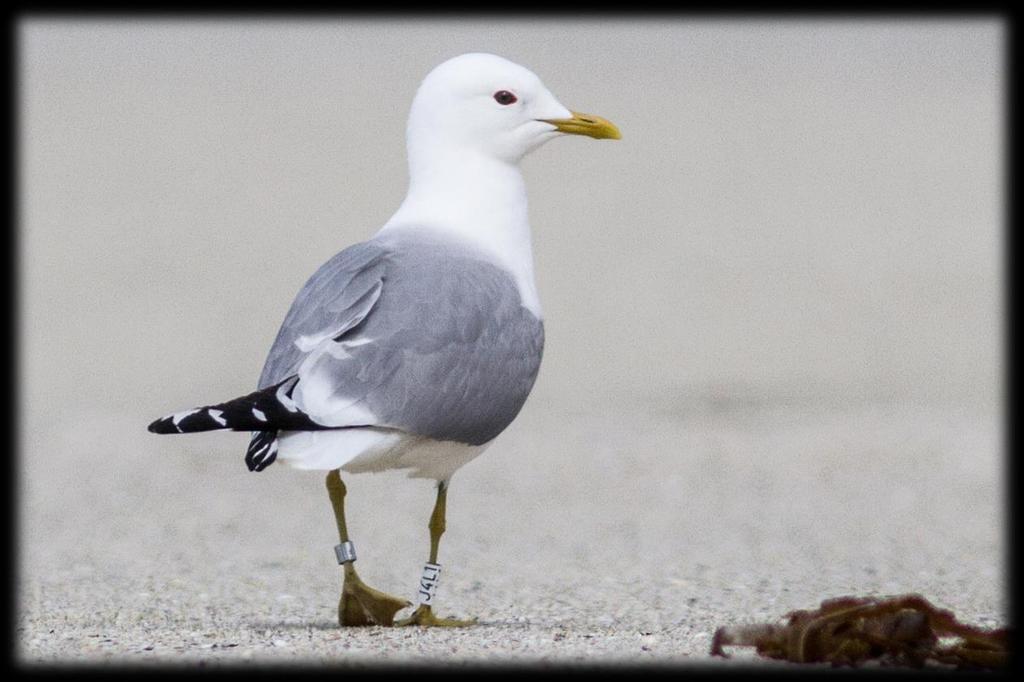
{"points": [[178, 416], [216, 416], [259, 414]]}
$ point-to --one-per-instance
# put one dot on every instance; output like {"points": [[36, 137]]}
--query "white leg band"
{"points": [[428, 583]]}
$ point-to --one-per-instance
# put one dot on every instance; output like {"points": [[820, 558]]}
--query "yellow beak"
{"points": [[586, 124]]}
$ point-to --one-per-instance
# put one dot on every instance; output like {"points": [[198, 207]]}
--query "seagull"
{"points": [[415, 349]]}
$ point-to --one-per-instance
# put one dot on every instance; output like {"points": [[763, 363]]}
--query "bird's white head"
{"points": [[473, 119], [482, 103]]}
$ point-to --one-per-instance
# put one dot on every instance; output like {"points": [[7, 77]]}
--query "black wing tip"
{"points": [[192, 421], [258, 466], [262, 451], [163, 425]]}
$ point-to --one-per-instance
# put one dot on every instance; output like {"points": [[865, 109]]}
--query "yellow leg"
{"points": [[424, 614], [360, 604]]}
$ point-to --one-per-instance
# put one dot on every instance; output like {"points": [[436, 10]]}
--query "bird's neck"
{"points": [[478, 200]]}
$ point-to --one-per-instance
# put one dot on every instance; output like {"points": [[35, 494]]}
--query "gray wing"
{"points": [[335, 299], [428, 337]]}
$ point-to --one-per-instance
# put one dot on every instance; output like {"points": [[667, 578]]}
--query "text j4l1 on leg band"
{"points": [[428, 583]]}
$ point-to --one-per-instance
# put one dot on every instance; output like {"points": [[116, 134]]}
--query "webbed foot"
{"points": [[360, 604], [424, 617]]}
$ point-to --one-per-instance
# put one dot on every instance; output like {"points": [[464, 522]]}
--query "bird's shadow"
{"points": [[329, 625], [293, 625]]}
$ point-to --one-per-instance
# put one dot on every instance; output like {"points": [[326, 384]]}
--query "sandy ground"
{"points": [[598, 536]]}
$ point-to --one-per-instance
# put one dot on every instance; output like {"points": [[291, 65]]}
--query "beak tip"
{"points": [[588, 125]]}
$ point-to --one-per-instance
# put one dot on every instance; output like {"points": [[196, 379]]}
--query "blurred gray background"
{"points": [[773, 309]]}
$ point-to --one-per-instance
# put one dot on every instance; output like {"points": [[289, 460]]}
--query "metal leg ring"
{"points": [[346, 552]]}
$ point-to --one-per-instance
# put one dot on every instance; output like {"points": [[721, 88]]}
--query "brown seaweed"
{"points": [[902, 630]]}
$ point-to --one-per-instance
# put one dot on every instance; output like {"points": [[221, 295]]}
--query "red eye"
{"points": [[504, 97]]}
